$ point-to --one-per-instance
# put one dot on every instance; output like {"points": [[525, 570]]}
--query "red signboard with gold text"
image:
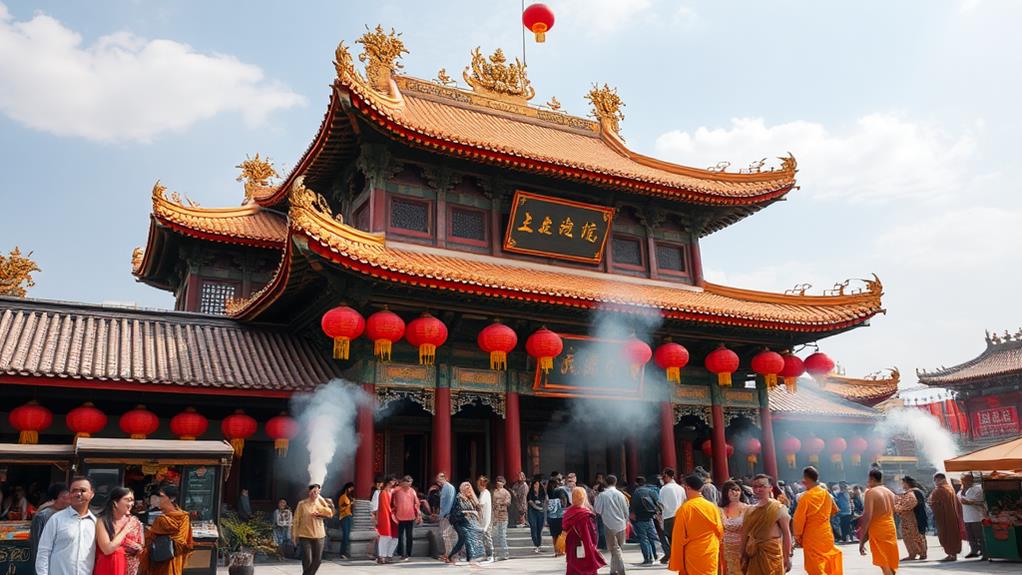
{"points": [[995, 421], [590, 367]]}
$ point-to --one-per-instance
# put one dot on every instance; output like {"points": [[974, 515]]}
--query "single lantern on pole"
{"points": [[539, 19]]}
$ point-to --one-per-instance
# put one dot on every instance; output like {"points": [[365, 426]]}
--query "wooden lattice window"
{"points": [[362, 217], [670, 258], [468, 224], [626, 252], [213, 296], [409, 215]]}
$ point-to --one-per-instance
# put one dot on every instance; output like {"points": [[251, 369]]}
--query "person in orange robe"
{"points": [[878, 517], [812, 527], [175, 524], [695, 541]]}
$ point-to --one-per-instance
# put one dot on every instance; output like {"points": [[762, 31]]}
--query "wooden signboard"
{"points": [[589, 367], [556, 228]]}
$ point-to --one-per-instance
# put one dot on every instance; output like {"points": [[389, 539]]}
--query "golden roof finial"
{"points": [[443, 78], [16, 273], [607, 107], [256, 173], [554, 104], [137, 255], [498, 78], [380, 54]]}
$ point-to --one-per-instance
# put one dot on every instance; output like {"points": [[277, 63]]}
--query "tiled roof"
{"points": [[248, 224], [867, 391], [154, 347], [1001, 357], [814, 402]]}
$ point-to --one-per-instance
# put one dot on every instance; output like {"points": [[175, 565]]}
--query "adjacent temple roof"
{"points": [[814, 402], [869, 390], [1002, 357]]}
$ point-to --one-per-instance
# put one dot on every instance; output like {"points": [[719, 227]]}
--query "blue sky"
{"points": [[903, 116]]}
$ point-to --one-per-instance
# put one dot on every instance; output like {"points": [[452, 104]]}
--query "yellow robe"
{"points": [[883, 536], [695, 541], [766, 553], [812, 528]]}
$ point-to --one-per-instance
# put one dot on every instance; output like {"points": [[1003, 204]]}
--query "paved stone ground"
{"points": [[546, 564]]}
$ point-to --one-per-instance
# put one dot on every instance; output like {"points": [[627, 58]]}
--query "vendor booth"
{"points": [[1002, 490]]}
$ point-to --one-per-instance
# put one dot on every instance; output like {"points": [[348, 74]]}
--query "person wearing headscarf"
{"points": [[580, 543], [911, 509], [175, 524], [947, 517]]}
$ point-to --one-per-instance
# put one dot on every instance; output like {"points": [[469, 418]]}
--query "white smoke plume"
{"points": [[933, 442], [327, 419]]}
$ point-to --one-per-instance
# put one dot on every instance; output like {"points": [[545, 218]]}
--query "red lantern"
{"points": [[343, 324], [857, 446], [544, 345], [237, 428], [671, 357], [139, 422], [85, 420], [814, 446], [729, 450], [30, 419], [707, 448], [637, 353], [189, 424], [791, 447], [837, 446], [281, 429], [497, 340], [384, 328], [539, 19], [793, 369], [752, 448], [426, 333], [723, 362], [768, 364], [818, 365], [877, 446]]}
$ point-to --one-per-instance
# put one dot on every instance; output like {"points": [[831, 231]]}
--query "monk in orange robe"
{"points": [[698, 529], [878, 518], [812, 527]]}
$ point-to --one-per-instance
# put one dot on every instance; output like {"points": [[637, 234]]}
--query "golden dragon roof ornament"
{"points": [[256, 173], [16, 273], [499, 78], [607, 107], [380, 54]]}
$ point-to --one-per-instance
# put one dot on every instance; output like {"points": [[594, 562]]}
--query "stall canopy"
{"points": [[156, 448], [1005, 456]]}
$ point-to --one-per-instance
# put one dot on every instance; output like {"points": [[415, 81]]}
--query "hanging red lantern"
{"points": [[139, 422], [877, 446], [791, 446], [723, 362], [752, 448], [498, 340], [544, 345], [539, 19], [671, 357], [189, 424], [343, 324], [29, 420], [237, 428], [707, 448], [426, 333], [793, 369], [814, 447], [856, 447], [819, 365], [384, 328], [637, 353], [85, 420], [729, 450], [837, 446], [281, 429], [768, 364]]}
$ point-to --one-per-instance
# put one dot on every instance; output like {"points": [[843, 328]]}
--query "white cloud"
{"points": [[968, 6], [122, 87], [600, 16], [881, 157], [970, 239]]}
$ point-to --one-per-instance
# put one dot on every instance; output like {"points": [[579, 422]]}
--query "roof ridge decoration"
{"points": [[256, 173], [311, 213], [606, 108], [996, 345], [499, 78], [160, 196], [872, 290], [16, 273], [380, 54]]}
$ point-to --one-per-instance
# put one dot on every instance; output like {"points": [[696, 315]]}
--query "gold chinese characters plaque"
{"points": [[557, 228]]}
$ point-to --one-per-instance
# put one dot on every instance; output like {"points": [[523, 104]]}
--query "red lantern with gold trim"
{"points": [[856, 447], [723, 362], [384, 328], [237, 428], [85, 420], [637, 353], [814, 447], [498, 340], [343, 324], [29, 420], [819, 365], [281, 429], [768, 364], [752, 448], [790, 447], [539, 19], [793, 369], [189, 424], [426, 333], [671, 357], [544, 345], [837, 446], [139, 422]]}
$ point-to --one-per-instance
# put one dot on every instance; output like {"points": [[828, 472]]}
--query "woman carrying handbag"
{"points": [[169, 541], [580, 536]]}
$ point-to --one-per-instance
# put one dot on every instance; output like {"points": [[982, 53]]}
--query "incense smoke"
{"points": [[327, 418], [933, 442]]}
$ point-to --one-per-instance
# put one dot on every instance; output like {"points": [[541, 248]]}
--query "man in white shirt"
{"points": [[612, 507], [67, 545], [973, 512], [672, 496]]}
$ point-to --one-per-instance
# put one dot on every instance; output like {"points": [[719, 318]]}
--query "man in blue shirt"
{"points": [[844, 515], [643, 510], [447, 495]]}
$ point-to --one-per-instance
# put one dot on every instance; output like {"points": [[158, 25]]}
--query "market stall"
{"points": [[197, 468], [26, 470], [1002, 490]]}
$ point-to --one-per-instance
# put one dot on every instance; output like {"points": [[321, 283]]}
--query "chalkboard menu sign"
{"points": [[552, 227], [199, 494]]}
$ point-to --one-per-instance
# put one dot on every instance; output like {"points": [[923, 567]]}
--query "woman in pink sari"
{"points": [[579, 524]]}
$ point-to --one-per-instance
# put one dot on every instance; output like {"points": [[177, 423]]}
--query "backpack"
{"points": [[456, 517]]}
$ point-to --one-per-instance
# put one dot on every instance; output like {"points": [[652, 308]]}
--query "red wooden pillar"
{"points": [[719, 443], [632, 455], [442, 432], [769, 447], [364, 453], [688, 457], [668, 451], [512, 437]]}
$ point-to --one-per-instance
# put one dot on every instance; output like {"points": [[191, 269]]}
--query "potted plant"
{"points": [[242, 540]]}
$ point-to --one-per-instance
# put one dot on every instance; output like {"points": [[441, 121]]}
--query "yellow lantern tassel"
{"points": [[341, 347], [674, 374], [138, 436], [856, 459], [752, 462], [30, 437], [791, 384], [427, 354], [539, 29], [281, 446], [239, 445], [724, 379], [790, 457], [546, 364], [814, 459], [498, 360], [381, 349], [771, 380]]}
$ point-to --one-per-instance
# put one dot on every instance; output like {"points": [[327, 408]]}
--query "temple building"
{"points": [[455, 209]]}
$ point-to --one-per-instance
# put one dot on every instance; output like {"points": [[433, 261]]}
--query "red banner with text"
{"points": [[995, 421]]}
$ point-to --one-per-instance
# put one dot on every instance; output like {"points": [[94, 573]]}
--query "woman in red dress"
{"points": [[117, 535]]}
